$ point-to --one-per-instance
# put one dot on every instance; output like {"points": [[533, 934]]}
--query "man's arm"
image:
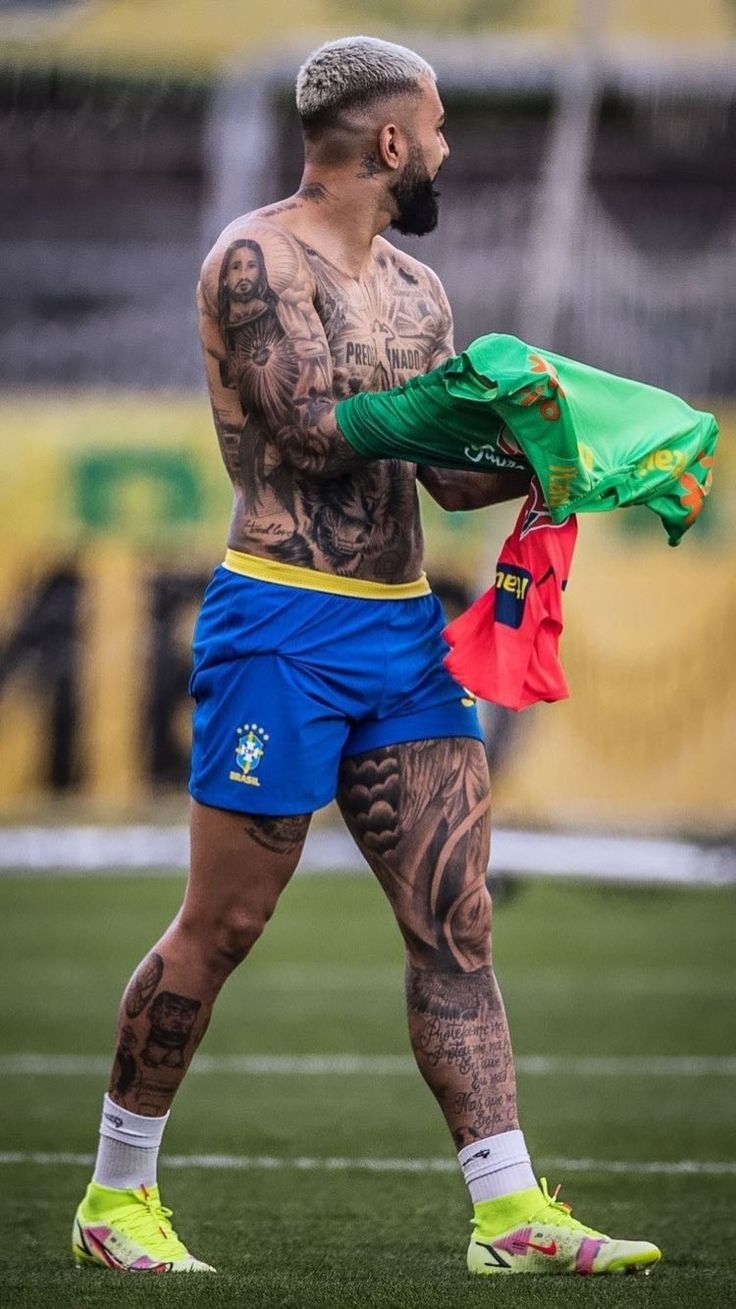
{"points": [[455, 489], [267, 359]]}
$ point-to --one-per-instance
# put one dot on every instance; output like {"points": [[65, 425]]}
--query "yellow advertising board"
{"points": [[114, 511], [201, 36]]}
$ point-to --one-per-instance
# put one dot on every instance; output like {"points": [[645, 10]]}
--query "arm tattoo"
{"points": [[276, 357]]}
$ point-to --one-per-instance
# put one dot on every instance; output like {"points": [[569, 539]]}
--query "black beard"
{"points": [[416, 199]]}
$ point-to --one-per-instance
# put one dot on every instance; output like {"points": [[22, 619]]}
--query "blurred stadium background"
{"points": [[589, 205]]}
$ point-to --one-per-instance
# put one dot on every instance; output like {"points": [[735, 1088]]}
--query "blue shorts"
{"points": [[288, 681]]}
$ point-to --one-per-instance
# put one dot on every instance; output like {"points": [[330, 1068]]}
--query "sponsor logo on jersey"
{"points": [[488, 454], [512, 586], [561, 478]]}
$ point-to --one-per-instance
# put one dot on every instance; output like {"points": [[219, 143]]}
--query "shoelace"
{"points": [[561, 1212], [141, 1218]]}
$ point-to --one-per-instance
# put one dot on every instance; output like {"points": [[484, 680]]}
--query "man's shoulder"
{"points": [[412, 271], [258, 225], [277, 250]]}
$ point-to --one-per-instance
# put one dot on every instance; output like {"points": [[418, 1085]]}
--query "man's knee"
{"points": [[240, 865], [468, 930], [459, 936], [227, 937]]}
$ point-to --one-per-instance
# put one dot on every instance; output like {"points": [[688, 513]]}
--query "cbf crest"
{"points": [[249, 751]]}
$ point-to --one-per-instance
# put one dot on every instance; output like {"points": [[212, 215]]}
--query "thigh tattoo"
{"points": [[420, 812], [279, 835]]}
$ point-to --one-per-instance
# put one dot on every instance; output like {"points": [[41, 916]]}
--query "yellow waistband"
{"points": [[309, 579]]}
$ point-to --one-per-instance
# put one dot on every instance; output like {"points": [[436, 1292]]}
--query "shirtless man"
{"points": [[318, 671]]}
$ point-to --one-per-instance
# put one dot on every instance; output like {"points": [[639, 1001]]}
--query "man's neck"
{"points": [[340, 214]]}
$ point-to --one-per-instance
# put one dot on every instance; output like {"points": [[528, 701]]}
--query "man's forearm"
{"points": [[456, 489], [314, 444]]}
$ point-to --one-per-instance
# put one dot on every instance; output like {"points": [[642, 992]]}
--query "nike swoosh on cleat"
{"points": [[550, 1249]]}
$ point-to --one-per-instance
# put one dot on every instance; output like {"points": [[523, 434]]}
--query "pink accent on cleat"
{"points": [[515, 1242], [97, 1237], [589, 1248], [147, 1265]]}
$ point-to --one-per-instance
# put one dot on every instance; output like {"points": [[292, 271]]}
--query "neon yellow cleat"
{"points": [[130, 1232], [550, 1240]]}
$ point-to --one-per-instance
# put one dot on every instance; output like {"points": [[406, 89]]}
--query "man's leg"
{"points": [[240, 863], [420, 813]]}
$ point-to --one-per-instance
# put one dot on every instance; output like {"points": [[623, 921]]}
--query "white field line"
{"points": [[348, 1065], [307, 1164], [99, 851]]}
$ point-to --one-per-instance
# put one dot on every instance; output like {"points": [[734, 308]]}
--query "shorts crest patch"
{"points": [[249, 751]]}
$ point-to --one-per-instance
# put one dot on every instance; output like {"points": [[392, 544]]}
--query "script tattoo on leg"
{"points": [[461, 1044], [420, 813]]}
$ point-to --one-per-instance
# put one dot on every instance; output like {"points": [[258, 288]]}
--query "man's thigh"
{"points": [[420, 813], [240, 864]]}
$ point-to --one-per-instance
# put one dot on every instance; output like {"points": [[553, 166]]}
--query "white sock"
{"points": [[497, 1166], [128, 1149]]}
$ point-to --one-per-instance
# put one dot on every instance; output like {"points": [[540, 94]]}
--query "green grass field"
{"points": [[586, 972]]}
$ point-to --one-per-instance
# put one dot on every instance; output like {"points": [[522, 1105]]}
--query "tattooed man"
{"points": [[318, 669]]}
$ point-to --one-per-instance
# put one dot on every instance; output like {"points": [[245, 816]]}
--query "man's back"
{"points": [[287, 332]]}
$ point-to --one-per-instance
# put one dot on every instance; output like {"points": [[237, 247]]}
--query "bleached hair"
{"points": [[355, 70]]}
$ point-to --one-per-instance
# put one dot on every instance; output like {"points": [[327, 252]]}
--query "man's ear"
{"points": [[389, 145]]}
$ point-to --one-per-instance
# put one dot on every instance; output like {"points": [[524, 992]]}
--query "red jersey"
{"points": [[505, 647]]}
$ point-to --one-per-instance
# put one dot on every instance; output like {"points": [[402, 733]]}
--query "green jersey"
{"points": [[595, 441]]}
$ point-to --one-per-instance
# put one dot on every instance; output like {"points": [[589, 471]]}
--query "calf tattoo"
{"points": [[461, 1044], [143, 984], [125, 1070], [159, 1032], [171, 1019]]}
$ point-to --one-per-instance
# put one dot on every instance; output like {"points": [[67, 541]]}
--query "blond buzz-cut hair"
{"points": [[354, 71]]}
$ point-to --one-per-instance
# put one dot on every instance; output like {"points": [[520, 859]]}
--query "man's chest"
{"points": [[380, 330]]}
